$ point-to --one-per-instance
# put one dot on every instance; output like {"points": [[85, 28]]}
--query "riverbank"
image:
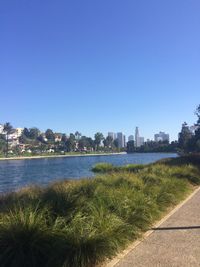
{"points": [[82, 223], [63, 156]]}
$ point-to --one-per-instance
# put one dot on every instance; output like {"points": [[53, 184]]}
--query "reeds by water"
{"points": [[81, 223]]}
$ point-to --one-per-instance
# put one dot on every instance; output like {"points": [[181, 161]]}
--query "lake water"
{"points": [[15, 174]]}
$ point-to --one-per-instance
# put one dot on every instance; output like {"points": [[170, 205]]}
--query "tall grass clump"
{"points": [[103, 167], [25, 239], [81, 223], [107, 167], [133, 167]]}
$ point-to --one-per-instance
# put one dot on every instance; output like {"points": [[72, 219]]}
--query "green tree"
{"points": [[8, 129], [116, 143], [108, 142], [197, 112], [72, 137], [64, 138], [97, 139], [50, 135], [26, 133], [184, 137], [41, 139], [197, 132], [2, 143], [23, 139], [34, 133], [90, 143], [130, 146], [77, 135], [198, 145], [82, 143], [70, 143]]}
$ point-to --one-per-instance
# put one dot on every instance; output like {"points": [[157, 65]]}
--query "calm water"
{"points": [[15, 174]]}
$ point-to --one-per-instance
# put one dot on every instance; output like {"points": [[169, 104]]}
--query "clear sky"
{"points": [[100, 65]]}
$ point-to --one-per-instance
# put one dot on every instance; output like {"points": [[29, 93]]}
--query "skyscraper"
{"points": [[137, 137], [124, 140], [121, 140], [139, 141]]}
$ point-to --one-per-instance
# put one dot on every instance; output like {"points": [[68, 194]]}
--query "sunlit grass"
{"points": [[81, 223]]}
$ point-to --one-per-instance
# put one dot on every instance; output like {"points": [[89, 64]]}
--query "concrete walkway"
{"points": [[175, 243]]}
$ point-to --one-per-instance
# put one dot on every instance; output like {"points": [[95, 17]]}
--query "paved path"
{"points": [[175, 243]]}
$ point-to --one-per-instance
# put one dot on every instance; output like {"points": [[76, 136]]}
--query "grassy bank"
{"points": [[81, 223]]}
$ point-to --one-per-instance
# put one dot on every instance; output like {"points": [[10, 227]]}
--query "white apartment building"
{"points": [[19, 131]]}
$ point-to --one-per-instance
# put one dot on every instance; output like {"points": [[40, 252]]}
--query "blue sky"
{"points": [[100, 65]]}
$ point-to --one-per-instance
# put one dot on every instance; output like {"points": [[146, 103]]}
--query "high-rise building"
{"points": [[124, 140], [131, 138], [121, 140], [137, 137], [139, 141], [161, 136]]}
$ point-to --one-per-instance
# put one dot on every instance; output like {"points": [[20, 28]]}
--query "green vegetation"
{"points": [[81, 223], [189, 141], [33, 142], [153, 147], [8, 130], [107, 167]]}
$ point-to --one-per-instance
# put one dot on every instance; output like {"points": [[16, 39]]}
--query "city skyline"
{"points": [[66, 68], [115, 135]]}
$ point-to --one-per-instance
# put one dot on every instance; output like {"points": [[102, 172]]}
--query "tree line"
{"points": [[40, 142], [189, 141]]}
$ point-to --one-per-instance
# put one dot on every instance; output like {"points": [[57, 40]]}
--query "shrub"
{"points": [[25, 239]]}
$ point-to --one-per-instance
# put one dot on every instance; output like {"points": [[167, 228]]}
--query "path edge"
{"points": [[121, 255]]}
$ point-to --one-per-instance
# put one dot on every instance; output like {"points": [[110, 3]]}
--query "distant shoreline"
{"points": [[62, 156]]}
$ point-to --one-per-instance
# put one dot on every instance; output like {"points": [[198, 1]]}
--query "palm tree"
{"points": [[8, 129], [77, 135]]}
